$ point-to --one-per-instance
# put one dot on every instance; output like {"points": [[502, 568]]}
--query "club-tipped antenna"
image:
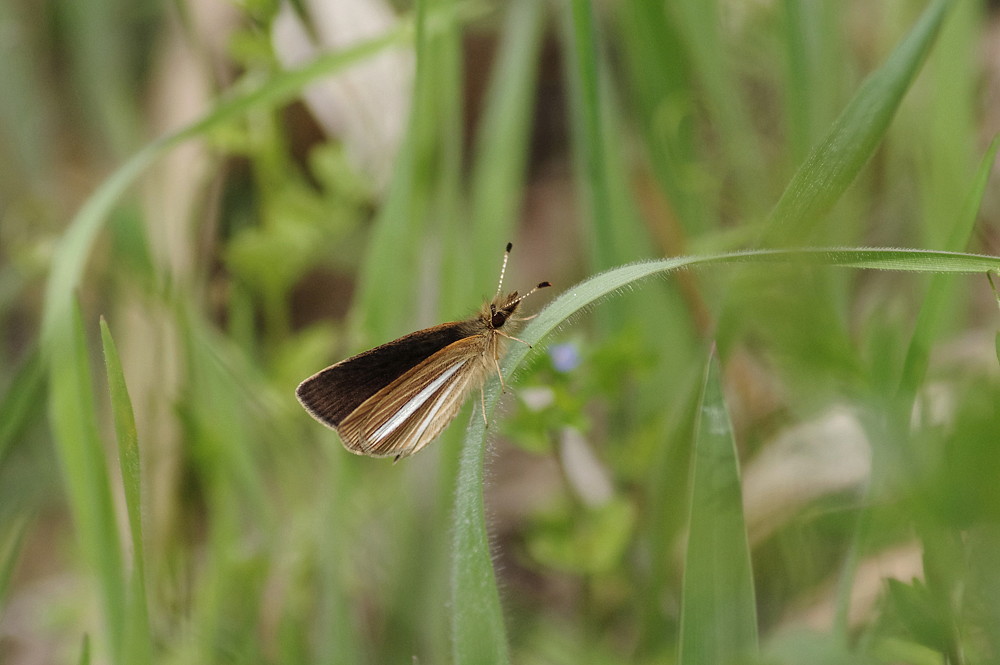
{"points": [[503, 268], [540, 285]]}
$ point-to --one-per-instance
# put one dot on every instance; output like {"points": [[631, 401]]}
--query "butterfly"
{"points": [[393, 400]]}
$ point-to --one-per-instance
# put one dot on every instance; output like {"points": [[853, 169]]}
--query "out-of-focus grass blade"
{"points": [[21, 402], [78, 444], [477, 620], [930, 318], [833, 164], [137, 643], [502, 139], [996, 294], [11, 539], [85, 650], [588, 123], [718, 610]]}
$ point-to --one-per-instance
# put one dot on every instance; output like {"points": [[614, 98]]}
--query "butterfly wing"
{"points": [[333, 393], [411, 411]]}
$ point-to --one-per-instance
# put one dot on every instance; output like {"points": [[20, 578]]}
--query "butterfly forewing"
{"points": [[411, 411], [331, 394]]}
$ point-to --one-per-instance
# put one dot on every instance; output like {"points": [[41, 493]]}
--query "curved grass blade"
{"points": [[137, 635], [477, 620], [833, 164], [718, 609]]}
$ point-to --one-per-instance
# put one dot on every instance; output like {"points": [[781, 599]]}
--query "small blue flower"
{"points": [[565, 357]]}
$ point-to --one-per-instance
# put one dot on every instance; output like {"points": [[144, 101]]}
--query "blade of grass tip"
{"points": [[934, 304], [833, 164], [137, 636], [996, 294], [718, 609], [478, 631], [78, 445], [85, 650]]}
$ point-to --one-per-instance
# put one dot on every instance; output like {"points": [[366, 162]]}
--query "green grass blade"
{"points": [[501, 149], [930, 319], [477, 620], [833, 164], [588, 127], [137, 636], [718, 610], [11, 540], [20, 404], [78, 445]]}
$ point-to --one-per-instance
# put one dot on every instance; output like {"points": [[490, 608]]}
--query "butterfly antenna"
{"points": [[541, 285], [503, 268]]}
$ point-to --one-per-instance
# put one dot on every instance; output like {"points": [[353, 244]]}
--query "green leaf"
{"points": [[22, 401], [939, 293], [718, 610], [79, 448], [477, 619], [834, 163], [137, 635]]}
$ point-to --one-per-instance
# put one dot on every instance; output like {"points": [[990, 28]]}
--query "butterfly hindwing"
{"points": [[411, 411]]}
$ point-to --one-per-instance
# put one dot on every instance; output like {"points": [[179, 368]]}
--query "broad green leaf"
{"points": [[718, 609]]}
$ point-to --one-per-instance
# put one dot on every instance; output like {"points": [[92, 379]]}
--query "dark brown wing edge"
{"points": [[331, 394]]}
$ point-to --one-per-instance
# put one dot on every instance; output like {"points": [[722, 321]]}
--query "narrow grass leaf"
{"points": [[588, 127], [22, 401], [718, 609], [137, 637], [833, 164], [501, 150], [78, 445], [477, 621], [929, 321], [11, 540]]}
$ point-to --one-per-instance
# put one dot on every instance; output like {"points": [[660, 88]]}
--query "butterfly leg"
{"points": [[513, 338], [482, 401], [496, 363]]}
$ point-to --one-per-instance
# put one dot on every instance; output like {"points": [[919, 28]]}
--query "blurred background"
{"points": [[259, 189]]}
